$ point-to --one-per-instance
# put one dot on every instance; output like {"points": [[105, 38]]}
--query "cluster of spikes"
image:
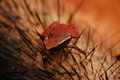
{"points": [[23, 55]]}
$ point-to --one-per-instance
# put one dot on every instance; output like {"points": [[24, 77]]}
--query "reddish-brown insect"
{"points": [[58, 34]]}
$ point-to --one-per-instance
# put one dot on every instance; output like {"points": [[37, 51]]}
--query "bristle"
{"points": [[39, 19], [24, 56], [66, 71], [58, 3], [77, 8]]}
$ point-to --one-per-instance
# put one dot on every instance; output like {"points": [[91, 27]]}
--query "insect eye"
{"points": [[46, 38]]}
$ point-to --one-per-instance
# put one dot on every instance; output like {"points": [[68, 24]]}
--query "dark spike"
{"points": [[109, 67], [117, 73], [83, 67], [40, 21], [86, 76], [11, 18], [100, 77], [77, 8], [94, 77], [91, 52], [88, 39], [49, 73], [27, 53], [28, 8], [75, 42], [79, 78], [45, 6], [58, 2], [104, 59], [15, 4], [39, 35], [4, 24], [24, 37], [74, 60], [6, 14], [27, 14], [92, 66], [106, 76], [8, 5], [7, 47], [8, 57], [79, 36], [66, 71], [58, 72], [114, 70]]}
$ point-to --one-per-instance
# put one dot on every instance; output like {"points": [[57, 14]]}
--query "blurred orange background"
{"points": [[104, 16]]}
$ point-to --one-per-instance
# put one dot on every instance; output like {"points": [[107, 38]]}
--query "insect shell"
{"points": [[58, 34]]}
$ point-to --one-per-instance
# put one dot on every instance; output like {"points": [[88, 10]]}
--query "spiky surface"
{"points": [[23, 55]]}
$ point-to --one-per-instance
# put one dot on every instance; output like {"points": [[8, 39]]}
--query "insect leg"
{"points": [[77, 48]]}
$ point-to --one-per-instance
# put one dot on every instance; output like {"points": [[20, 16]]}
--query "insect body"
{"points": [[59, 34]]}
